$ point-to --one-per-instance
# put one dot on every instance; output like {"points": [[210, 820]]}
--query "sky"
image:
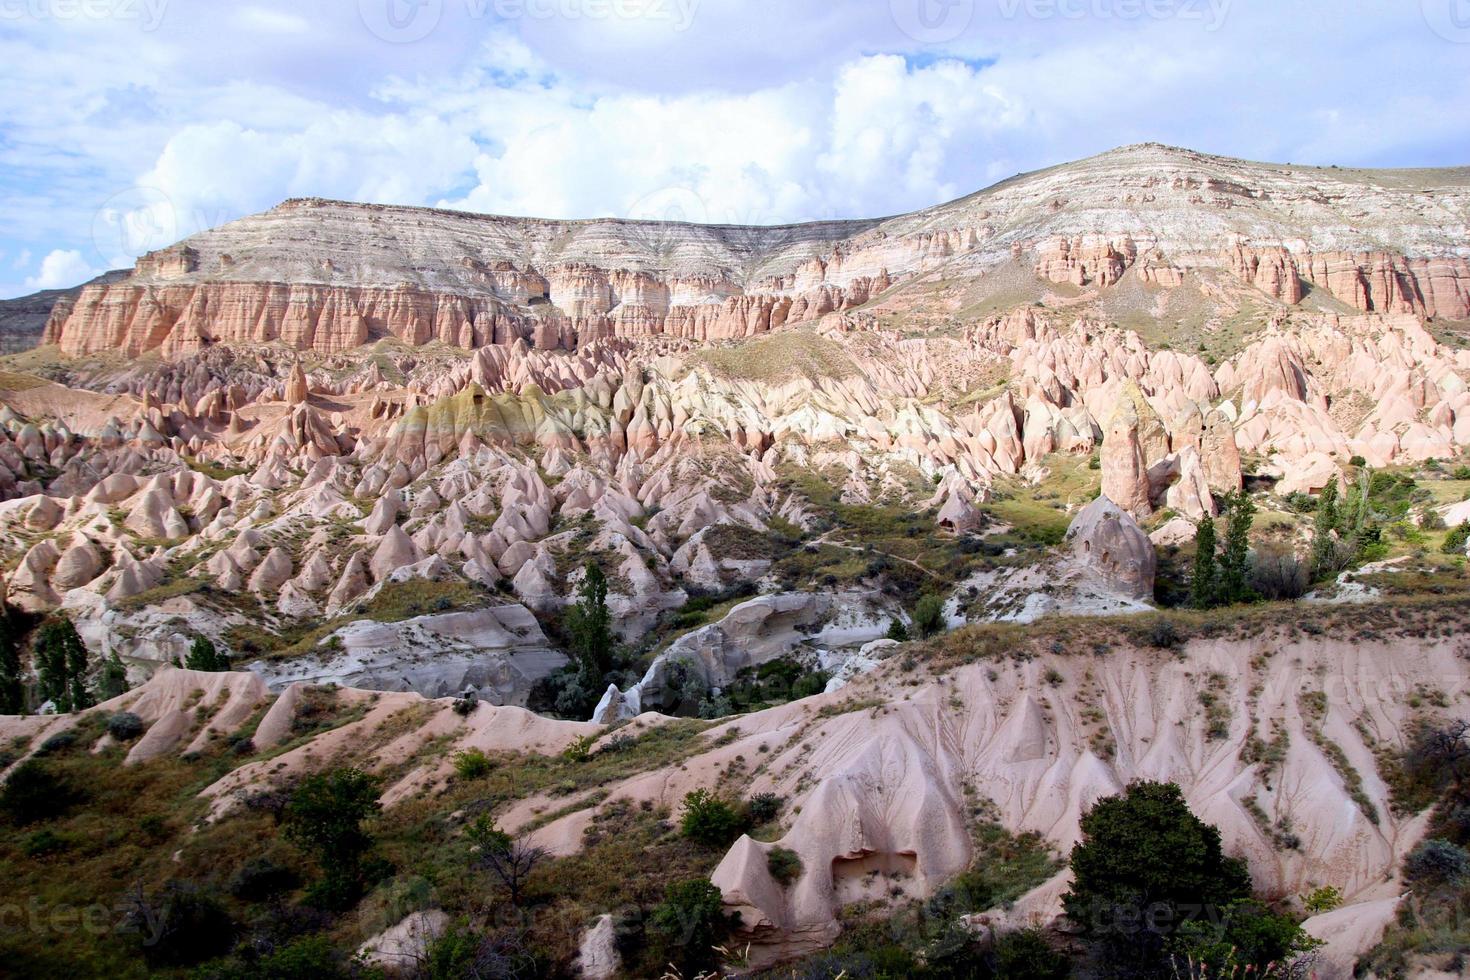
{"points": [[126, 125]]}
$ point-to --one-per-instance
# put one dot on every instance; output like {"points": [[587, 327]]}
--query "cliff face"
{"points": [[328, 276], [23, 320]]}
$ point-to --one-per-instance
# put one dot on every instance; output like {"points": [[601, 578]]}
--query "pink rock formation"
{"points": [[1108, 544]]}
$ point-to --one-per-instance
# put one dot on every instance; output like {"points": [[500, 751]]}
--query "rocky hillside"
{"points": [[327, 277], [1282, 734], [23, 319], [395, 464]]}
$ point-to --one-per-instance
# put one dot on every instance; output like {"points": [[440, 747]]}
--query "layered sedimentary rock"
{"points": [[328, 276], [1371, 282]]}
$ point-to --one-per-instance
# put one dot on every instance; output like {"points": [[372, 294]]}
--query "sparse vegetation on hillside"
{"points": [[1430, 930]]}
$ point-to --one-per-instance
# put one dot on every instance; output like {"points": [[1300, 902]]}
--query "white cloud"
{"points": [[61, 269], [757, 111]]}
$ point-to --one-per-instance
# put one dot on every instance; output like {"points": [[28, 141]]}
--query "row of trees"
{"points": [[1344, 531], [1222, 577], [64, 666]]}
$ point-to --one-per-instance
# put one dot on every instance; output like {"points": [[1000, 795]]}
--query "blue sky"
{"points": [[127, 124]]}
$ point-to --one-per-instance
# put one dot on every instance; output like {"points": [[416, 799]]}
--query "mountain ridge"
{"points": [[331, 276]]}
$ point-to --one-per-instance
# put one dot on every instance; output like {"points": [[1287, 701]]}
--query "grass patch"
{"points": [[213, 470], [162, 593]]}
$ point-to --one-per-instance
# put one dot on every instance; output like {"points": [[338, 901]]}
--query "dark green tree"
{"points": [[1324, 529], [1145, 865], [12, 677], [113, 678], [325, 815], [929, 616], [61, 664], [1204, 585], [897, 630], [34, 792], [589, 628], [1235, 562], [1327, 514], [204, 656], [690, 923]]}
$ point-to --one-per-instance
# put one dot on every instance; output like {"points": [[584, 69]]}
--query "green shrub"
{"points": [[307, 958], [690, 923], [472, 764], [764, 807], [33, 792], [784, 864], [1026, 955], [1163, 635], [125, 726], [461, 952], [59, 742], [1454, 542], [580, 750], [466, 703], [809, 685], [44, 843], [897, 631], [929, 616], [1247, 940], [709, 820], [1437, 862], [1323, 899], [260, 878]]}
